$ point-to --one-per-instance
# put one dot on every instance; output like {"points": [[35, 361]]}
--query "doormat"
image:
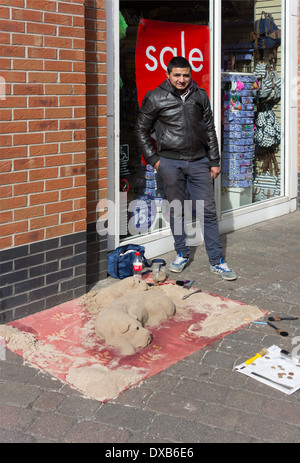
{"points": [[62, 341]]}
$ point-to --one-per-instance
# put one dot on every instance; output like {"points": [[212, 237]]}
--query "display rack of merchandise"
{"points": [[239, 99]]}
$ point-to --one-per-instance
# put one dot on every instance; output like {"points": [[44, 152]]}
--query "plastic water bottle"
{"points": [[137, 265]]}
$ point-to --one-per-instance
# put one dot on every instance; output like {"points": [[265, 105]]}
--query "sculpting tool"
{"points": [[188, 295], [259, 354], [278, 319], [189, 284], [281, 332], [182, 282], [260, 323], [287, 354], [271, 380]]}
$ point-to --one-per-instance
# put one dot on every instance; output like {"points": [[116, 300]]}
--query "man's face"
{"points": [[180, 78]]}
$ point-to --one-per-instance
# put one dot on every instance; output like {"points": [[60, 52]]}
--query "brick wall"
{"points": [[53, 150], [96, 124]]}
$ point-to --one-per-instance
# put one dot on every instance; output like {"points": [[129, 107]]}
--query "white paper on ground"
{"points": [[284, 372]]}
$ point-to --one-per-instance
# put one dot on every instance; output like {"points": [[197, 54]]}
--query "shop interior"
{"points": [[251, 153]]}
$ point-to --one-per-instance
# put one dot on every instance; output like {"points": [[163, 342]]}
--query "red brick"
{"points": [[72, 147], [41, 150], [80, 135], [5, 166], [79, 158], [28, 163], [6, 217], [13, 127], [79, 66], [59, 66], [37, 101], [38, 126], [28, 212], [59, 184], [13, 177], [72, 170], [72, 193], [11, 228], [80, 226], [72, 78], [60, 206], [71, 124], [14, 102], [65, 31], [72, 101], [79, 44], [58, 89], [79, 180], [11, 26], [47, 5], [14, 152], [26, 15], [28, 64], [29, 237], [6, 242], [13, 76], [28, 89], [73, 216], [44, 53], [28, 188], [58, 136], [58, 42], [5, 191], [43, 198], [4, 12], [42, 174], [54, 18], [58, 160], [28, 114], [27, 39], [67, 7], [7, 204], [73, 55], [78, 21], [5, 115], [28, 139], [42, 77], [12, 51], [58, 113], [59, 230], [43, 222], [43, 29]]}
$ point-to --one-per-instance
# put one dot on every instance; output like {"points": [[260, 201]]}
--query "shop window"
{"points": [[137, 179], [252, 150]]}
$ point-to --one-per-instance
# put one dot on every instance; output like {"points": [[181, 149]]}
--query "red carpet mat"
{"points": [[62, 341]]}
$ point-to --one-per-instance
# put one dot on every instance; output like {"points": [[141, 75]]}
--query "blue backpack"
{"points": [[120, 261], [265, 34]]}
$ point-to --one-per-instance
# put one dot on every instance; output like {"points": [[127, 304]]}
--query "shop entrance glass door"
{"points": [[252, 115], [141, 192]]}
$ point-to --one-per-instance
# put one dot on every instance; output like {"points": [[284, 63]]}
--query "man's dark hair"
{"points": [[178, 62]]}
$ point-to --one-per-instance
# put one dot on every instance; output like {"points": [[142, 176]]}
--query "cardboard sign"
{"points": [[158, 42]]}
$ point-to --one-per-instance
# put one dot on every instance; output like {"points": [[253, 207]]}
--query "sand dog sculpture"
{"points": [[97, 300], [122, 322]]}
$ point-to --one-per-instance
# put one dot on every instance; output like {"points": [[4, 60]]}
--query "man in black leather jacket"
{"points": [[186, 157]]}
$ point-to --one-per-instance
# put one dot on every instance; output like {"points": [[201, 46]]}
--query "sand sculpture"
{"points": [[95, 301], [122, 322]]}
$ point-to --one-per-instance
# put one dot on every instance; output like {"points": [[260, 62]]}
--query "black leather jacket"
{"points": [[183, 129]]}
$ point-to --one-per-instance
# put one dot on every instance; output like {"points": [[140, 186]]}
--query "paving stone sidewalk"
{"points": [[199, 399]]}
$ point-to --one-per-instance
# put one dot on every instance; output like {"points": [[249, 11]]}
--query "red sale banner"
{"points": [[159, 41]]}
